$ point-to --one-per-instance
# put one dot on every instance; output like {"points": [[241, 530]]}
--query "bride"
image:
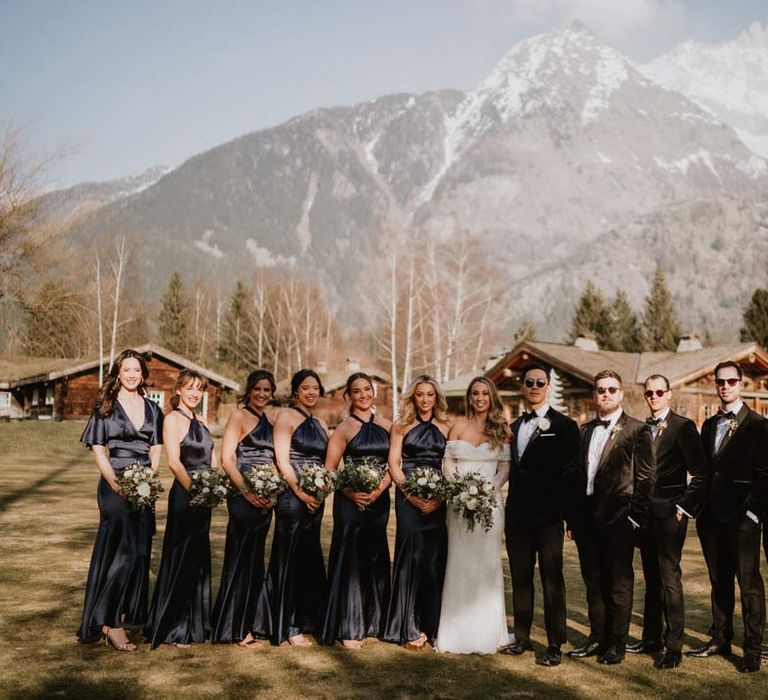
{"points": [[473, 618]]}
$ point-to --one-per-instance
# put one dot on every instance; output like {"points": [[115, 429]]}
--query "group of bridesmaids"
{"points": [[294, 598]]}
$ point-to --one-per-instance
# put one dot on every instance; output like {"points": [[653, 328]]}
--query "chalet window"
{"points": [[5, 399], [158, 397], [763, 411], [35, 396], [49, 394]]}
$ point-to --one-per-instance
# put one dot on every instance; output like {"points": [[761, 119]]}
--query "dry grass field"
{"points": [[48, 519]]}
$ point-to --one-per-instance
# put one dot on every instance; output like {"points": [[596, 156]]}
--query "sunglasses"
{"points": [[541, 383], [606, 389], [658, 392], [731, 381]]}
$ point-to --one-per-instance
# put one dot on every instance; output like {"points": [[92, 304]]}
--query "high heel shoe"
{"points": [[123, 646]]}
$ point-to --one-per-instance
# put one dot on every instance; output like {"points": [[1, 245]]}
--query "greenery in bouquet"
{"points": [[265, 481], [139, 485], [473, 499], [359, 475], [316, 480], [209, 488], [424, 482]]}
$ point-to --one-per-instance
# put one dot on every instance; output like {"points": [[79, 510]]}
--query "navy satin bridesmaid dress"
{"points": [[181, 603], [358, 565], [117, 588], [421, 547]]}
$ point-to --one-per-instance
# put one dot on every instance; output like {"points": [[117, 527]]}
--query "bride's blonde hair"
{"points": [[408, 410], [496, 427]]}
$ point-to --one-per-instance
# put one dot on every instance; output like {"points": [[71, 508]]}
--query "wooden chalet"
{"points": [[689, 370], [66, 389]]}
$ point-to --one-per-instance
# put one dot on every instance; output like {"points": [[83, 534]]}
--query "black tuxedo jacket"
{"points": [[541, 482], [625, 473], [678, 452], [739, 468]]}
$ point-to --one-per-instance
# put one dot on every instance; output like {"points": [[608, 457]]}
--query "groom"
{"points": [[545, 449]]}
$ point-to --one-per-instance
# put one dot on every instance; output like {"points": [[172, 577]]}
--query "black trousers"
{"points": [[661, 548], [605, 558], [523, 546], [733, 551]]}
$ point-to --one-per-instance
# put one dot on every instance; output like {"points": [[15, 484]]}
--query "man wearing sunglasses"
{"points": [[617, 480], [736, 445], [678, 451], [545, 452]]}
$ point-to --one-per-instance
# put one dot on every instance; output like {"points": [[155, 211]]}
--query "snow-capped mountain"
{"points": [[563, 146], [729, 79]]}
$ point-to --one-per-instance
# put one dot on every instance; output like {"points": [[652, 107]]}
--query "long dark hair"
{"points": [[108, 392], [300, 376], [352, 378], [252, 380], [187, 376]]}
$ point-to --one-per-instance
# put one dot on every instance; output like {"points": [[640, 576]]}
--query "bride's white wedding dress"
{"points": [[473, 618]]}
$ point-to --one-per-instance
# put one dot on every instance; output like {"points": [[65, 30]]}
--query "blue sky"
{"points": [[127, 85]]}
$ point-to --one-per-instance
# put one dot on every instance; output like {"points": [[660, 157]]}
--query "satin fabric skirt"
{"points": [[295, 588], [238, 610], [118, 576], [358, 571], [181, 603], [421, 546]]}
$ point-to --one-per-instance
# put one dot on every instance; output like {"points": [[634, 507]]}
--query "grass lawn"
{"points": [[48, 520]]}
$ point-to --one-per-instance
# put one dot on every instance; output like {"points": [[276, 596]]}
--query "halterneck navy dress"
{"points": [[421, 547], [181, 603], [358, 565], [118, 576], [238, 611]]}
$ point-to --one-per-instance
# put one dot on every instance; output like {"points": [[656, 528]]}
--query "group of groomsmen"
{"points": [[617, 483]]}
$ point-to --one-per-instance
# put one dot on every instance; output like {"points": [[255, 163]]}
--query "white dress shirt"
{"points": [[721, 429], [661, 417], [527, 429], [597, 442]]}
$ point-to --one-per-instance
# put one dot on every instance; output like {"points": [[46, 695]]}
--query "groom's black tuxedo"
{"points": [[540, 488], [678, 451], [730, 539], [604, 534]]}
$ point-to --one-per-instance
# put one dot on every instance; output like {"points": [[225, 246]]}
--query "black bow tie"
{"points": [[725, 414], [653, 421], [604, 423], [529, 415]]}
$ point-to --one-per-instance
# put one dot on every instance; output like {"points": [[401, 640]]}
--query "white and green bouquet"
{"points": [[139, 485], [424, 482], [265, 481], [473, 499], [361, 476], [316, 480], [209, 488]]}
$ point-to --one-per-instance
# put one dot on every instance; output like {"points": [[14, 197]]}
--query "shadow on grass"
{"points": [[27, 491], [75, 686]]}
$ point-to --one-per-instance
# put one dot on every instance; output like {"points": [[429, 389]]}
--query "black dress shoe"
{"points": [[751, 662], [518, 647], [711, 648], [588, 649], [644, 647], [552, 656], [671, 659], [612, 656]]}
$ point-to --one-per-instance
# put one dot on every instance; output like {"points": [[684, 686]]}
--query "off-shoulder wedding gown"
{"points": [[473, 618]]}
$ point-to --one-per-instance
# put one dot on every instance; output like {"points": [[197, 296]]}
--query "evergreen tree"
{"points": [[626, 331], [592, 318], [660, 326], [174, 317], [756, 318], [525, 331], [238, 332]]}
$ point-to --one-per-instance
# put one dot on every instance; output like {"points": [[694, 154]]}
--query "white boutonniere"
{"points": [[662, 427], [543, 424], [616, 430], [732, 425]]}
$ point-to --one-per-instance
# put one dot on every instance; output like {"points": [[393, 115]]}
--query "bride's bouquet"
{"points": [[265, 481], [209, 488], [139, 485], [424, 482], [473, 499], [316, 480]]}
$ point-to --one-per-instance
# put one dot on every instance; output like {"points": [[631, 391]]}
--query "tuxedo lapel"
{"points": [[664, 436], [609, 443], [740, 418], [537, 431], [588, 430], [515, 429]]}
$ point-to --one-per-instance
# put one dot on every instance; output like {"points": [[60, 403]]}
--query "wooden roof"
{"points": [[19, 371], [678, 367]]}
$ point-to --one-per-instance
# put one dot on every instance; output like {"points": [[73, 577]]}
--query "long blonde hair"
{"points": [[496, 427], [408, 410]]}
